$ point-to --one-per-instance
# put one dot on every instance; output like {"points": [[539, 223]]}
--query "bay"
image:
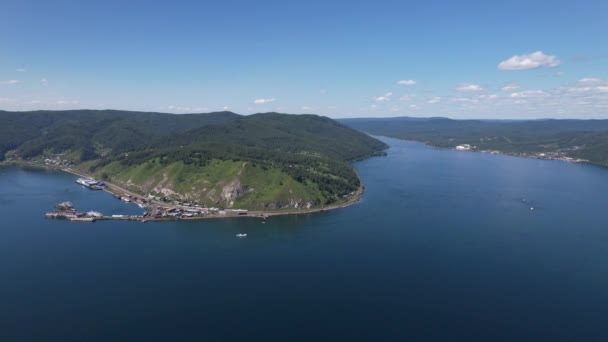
{"points": [[444, 245]]}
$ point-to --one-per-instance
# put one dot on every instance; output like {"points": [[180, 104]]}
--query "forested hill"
{"points": [[550, 138], [269, 160], [93, 130]]}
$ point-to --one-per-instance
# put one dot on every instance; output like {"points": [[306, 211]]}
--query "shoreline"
{"points": [[116, 190], [497, 152], [355, 198]]}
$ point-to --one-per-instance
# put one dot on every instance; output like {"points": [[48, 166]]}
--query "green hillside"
{"points": [[269, 160]]}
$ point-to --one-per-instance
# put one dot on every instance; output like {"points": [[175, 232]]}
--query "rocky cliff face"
{"points": [[231, 192], [292, 204]]}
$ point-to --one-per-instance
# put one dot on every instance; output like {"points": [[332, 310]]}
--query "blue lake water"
{"points": [[443, 246]]}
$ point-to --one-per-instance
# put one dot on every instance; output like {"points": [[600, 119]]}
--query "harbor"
{"points": [[66, 211], [91, 183], [153, 210]]}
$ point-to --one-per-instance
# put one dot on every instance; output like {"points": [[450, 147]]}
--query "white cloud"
{"points": [[66, 102], [591, 80], [510, 87], [413, 106], [263, 101], [435, 99], [20, 70], [385, 97], [44, 82], [179, 108], [406, 82], [307, 108], [407, 97], [530, 61], [489, 97], [469, 88], [579, 89], [225, 108], [528, 94], [7, 100], [603, 89], [464, 99], [11, 82]]}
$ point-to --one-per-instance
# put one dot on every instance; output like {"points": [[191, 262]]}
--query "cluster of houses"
{"points": [[196, 211]]}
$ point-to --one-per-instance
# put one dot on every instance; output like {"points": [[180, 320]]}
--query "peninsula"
{"points": [[268, 162]]}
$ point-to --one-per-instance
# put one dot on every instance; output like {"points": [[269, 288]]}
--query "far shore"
{"points": [[498, 152]]}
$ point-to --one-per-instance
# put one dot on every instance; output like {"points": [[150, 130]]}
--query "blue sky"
{"points": [[461, 59]]}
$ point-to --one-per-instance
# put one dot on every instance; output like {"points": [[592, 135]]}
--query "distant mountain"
{"points": [[267, 160], [548, 138]]}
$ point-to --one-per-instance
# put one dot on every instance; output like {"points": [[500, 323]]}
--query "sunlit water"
{"points": [[443, 246]]}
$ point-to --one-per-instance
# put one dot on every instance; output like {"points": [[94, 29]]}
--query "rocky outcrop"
{"points": [[293, 204], [231, 191]]}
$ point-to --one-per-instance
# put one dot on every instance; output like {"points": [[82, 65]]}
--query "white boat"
{"points": [[94, 214], [241, 235], [87, 182]]}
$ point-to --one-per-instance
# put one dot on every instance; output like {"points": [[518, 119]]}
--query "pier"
{"points": [[66, 211]]}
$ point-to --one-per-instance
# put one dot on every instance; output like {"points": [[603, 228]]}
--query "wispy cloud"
{"points": [[530, 61], [406, 82], [21, 70], [66, 102], [44, 82], [435, 99], [179, 108], [7, 100], [385, 97], [11, 82], [528, 94], [407, 97], [510, 87], [488, 97], [591, 80], [263, 101], [466, 88]]}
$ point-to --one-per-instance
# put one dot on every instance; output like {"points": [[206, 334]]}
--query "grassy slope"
{"points": [[261, 188]]}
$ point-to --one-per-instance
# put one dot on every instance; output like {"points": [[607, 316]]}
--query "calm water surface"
{"points": [[443, 246]]}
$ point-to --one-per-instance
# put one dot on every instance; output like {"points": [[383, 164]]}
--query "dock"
{"points": [[66, 211]]}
